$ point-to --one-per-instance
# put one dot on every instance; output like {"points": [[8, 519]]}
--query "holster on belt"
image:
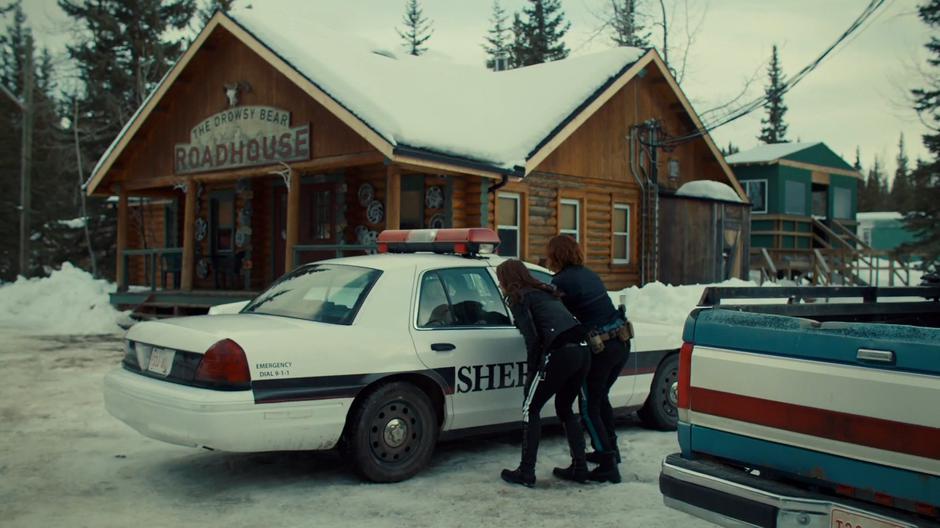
{"points": [[625, 332]]}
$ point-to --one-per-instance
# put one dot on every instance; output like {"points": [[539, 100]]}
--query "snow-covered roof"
{"points": [[879, 215], [767, 153], [708, 189], [431, 104]]}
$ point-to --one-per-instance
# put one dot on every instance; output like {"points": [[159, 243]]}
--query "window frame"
{"points": [[578, 212], [517, 228], [415, 324], [613, 234], [766, 185], [786, 195]]}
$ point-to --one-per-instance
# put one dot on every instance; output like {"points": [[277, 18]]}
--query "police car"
{"points": [[382, 354]]}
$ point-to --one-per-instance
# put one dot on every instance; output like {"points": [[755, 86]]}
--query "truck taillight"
{"points": [[224, 366], [685, 376]]}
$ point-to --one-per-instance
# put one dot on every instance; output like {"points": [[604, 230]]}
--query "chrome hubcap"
{"points": [[396, 431], [674, 393]]}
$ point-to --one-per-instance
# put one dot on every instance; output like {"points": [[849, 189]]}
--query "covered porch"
{"points": [[187, 243]]}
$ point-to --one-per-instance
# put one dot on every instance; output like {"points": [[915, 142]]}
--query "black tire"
{"points": [[659, 411], [392, 433]]}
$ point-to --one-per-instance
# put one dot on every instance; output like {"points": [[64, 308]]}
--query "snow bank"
{"points": [[663, 304], [708, 189], [69, 301]]}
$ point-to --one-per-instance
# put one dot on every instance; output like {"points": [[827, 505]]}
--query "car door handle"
{"points": [[442, 347]]}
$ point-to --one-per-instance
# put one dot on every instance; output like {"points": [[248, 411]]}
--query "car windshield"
{"points": [[326, 293]]}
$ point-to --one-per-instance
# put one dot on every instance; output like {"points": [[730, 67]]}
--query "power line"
{"points": [[670, 142]]}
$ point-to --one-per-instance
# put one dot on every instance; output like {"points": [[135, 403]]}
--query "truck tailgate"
{"points": [[845, 404]]}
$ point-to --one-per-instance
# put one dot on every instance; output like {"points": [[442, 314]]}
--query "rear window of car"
{"points": [[326, 293]]}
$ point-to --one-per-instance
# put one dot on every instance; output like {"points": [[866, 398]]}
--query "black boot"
{"points": [[607, 470], [519, 476], [576, 472]]}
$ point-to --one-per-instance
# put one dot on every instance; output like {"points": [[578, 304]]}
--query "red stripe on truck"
{"points": [[878, 433]]}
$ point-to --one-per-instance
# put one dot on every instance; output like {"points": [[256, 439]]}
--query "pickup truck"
{"points": [[823, 411]]}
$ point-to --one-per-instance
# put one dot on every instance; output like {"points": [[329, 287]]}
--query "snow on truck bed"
{"points": [[432, 104]]}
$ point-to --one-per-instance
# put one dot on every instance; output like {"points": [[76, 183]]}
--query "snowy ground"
{"points": [[65, 462]]}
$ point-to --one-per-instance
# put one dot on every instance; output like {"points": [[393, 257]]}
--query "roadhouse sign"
{"points": [[243, 136]]}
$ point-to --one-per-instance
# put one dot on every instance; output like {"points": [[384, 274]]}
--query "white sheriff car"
{"points": [[384, 354]]}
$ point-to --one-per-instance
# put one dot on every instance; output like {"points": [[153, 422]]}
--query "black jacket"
{"points": [[585, 296], [544, 323]]}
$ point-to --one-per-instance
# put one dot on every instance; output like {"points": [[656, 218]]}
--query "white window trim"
{"points": [[625, 234], [576, 232], [517, 228], [766, 192]]}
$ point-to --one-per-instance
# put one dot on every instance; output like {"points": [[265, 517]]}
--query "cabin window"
{"points": [[322, 210], [621, 234], [222, 211], [508, 224], [795, 198], [569, 218], [757, 193], [842, 203]]}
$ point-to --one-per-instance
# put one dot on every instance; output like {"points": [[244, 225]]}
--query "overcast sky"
{"points": [[858, 97]]}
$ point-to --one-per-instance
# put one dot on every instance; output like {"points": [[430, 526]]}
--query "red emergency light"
{"points": [[464, 241]]}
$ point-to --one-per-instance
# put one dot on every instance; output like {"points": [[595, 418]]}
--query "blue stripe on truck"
{"points": [[832, 469], [916, 349]]}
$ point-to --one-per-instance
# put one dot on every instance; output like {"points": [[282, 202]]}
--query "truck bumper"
{"points": [[730, 497]]}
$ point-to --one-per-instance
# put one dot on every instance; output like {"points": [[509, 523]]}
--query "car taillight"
{"points": [[130, 355], [685, 376], [224, 365]]}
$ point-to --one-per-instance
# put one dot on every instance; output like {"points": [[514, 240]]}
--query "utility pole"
{"points": [[26, 156]]}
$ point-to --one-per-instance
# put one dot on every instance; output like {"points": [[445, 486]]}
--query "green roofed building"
{"points": [[804, 198]]}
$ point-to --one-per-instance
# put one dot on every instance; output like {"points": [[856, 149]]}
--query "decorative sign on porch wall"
{"points": [[243, 136]]}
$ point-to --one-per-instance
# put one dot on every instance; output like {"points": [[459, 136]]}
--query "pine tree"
{"points": [[417, 29], [901, 186], [730, 149], [124, 49], [539, 33], [858, 159], [773, 128], [498, 41], [924, 216], [625, 29], [52, 190], [874, 194], [206, 12]]}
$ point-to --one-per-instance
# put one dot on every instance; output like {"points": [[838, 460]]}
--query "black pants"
{"points": [[596, 411], [562, 375]]}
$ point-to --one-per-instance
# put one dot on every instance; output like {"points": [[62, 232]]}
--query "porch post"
{"points": [[393, 197], [293, 220], [121, 273], [189, 237]]}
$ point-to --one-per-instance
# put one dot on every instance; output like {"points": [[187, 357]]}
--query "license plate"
{"points": [[161, 361], [846, 519]]}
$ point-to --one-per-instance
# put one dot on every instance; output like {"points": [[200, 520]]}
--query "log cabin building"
{"points": [[271, 143]]}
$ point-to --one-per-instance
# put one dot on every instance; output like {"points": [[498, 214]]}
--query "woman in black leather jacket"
{"points": [[558, 361]]}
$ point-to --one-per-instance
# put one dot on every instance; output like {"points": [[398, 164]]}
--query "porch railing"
{"points": [[153, 259]]}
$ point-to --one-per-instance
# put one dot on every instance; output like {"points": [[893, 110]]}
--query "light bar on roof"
{"points": [[463, 241]]}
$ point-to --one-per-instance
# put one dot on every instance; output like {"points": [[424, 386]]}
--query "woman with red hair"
{"points": [[585, 296], [558, 361]]}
